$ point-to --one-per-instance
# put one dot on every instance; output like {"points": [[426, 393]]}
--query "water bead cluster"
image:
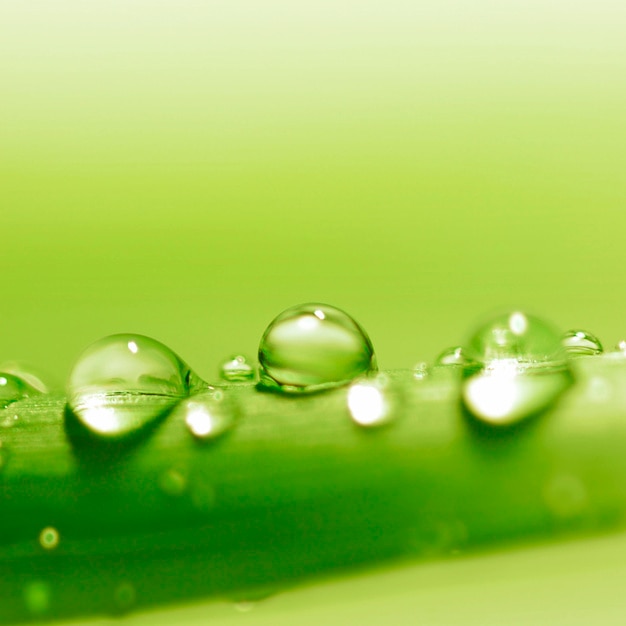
{"points": [[512, 367]]}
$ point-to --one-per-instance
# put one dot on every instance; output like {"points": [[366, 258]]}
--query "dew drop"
{"points": [[453, 356], [14, 388], [49, 538], [581, 342], [371, 402], [621, 346], [209, 415], [420, 370], [237, 369], [37, 597], [523, 369], [123, 382], [314, 346]]}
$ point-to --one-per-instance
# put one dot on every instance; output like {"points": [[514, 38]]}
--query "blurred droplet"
{"points": [[209, 415], [37, 597], [49, 538], [237, 369], [372, 402]]}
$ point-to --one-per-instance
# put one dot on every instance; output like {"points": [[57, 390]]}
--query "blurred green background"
{"points": [[189, 169]]}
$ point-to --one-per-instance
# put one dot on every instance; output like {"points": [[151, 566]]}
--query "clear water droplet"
{"points": [[37, 597], [454, 356], [581, 342], [314, 346], [372, 402], [123, 382], [29, 374], [14, 388], [237, 369], [523, 370], [209, 415], [49, 538], [420, 371], [621, 346]]}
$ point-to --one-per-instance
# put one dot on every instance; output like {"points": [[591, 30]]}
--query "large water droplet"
{"points": [[123, 382], [314, 346], [237, 369], [581, 342], [14, 388], [524, 369], [209, 415], [372, 402]]}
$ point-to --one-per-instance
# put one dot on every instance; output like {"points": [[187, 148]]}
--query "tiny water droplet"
{"points": [[49, 538], [581, 342], [209, 415], [621, 346], [37, 597], [29, 374], [237, 369], [420, 371], [124, 596], [314, 346], [14, 388], [123, 382], [524, 369], [453, 356], [173, 482], [371, 402]]}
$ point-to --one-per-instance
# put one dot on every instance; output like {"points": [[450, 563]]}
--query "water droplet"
{"points": [[124, 596], [237, 369], [453, 356], [49, 538], [123, 382], [621, 346], [209, 415], [37, 597], [420, 371], [314, 346], [524, 369], [524, 338], [244, 606], [581, 342], [173, 482], [371, 402], [28, 374], [14, 388]]}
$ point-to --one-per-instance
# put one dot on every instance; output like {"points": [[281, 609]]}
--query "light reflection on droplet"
{"points": [[371, 402]]}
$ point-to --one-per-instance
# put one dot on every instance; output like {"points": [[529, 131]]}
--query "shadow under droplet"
{"points": [[97, 453]]}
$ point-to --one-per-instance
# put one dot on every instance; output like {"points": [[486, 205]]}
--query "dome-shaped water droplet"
{"points": [[621, 346], [209, 415], [29, 374], [581, 342], [453, 356], [524, 369], [523, 338], [420, 370], [123, 382], [14, 388], [372, 402], [314, 346], [237, 369]]}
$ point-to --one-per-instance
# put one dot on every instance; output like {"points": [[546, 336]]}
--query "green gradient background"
{"points": [[189, 169]]}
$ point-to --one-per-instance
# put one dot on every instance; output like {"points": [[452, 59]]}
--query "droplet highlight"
{"points": [[522, 369], [123, 382], [209, 416], [372, 402], [312, 347], [581, 342], [237, 369]]}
